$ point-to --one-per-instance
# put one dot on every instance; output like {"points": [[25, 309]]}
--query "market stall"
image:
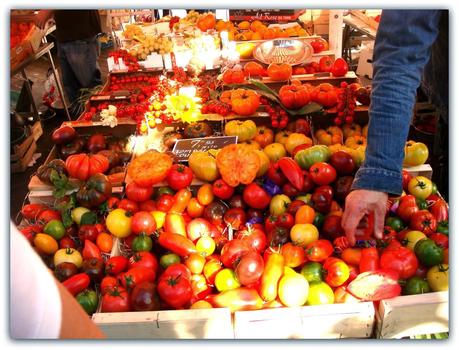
{"points": [[200, 194]]}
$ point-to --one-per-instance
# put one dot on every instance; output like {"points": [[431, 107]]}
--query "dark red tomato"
{"points": [[112, 203], [278, 236], [179, 176], [389, 234], [47, 215], [214, 212], [222, 190], [322, 173], [285, 220], [369, 259], [144, 259], [270, 223], [235, 217], [236, 202], [294, 206], [254, 236], [340, 243], [336, 272], [143, 222], [88, 232], [440, 239], [402, 260], [249, 268], [331, 228], [289, 190], [144, 297], [32, 211], [116, 265], [406, 177], [165, 202], [174, 287], [423, 221], [233, 250], [115, 300], [322, 199], [148, 205], [255, 196], [107, 284], [66, 242], [137, 193], [276, 175], [421, 271], [255, 216], [343, 163], [135, 275], [128, 205], [319, 250], [339, 68]]}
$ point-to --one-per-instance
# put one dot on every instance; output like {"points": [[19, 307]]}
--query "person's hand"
{"points": [[358, 204], [42, 17]]}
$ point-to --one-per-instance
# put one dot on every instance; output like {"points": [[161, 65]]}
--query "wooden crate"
{"points": [[46, 197], [307, 322], [170, 324], [413, 315], [420, 170], [20, 161], [36, 130]]}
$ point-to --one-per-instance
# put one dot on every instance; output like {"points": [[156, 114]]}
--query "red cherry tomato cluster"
{"points": [[129, 60], [279, 117], [215, 106], [346, 104]]}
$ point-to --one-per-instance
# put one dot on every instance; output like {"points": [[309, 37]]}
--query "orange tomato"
{"points": [[305, 215], [293, 255], [244, 25], [279, 72], [194, 208], [149, 168], [104, 242], [282, 136], [264, 136], [205, 194], [244, 102], [45, 243], [195, 263], [351, 256], [201, 304]]}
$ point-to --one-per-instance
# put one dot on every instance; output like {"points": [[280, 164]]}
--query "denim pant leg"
{"points": [[81, 58], [70, 81]]}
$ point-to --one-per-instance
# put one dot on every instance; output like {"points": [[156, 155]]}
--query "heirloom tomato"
{"points": [[82, 166], [245, 102], [204, 166], [149, 168], [281, 71], [416, 153], [244, 130], [137, 193]]}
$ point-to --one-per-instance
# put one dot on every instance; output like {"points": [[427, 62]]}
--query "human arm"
{"points": [[42, 17], [402, 49]]}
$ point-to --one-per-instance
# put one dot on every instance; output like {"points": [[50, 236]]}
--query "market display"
{"points": [[249, 225]]}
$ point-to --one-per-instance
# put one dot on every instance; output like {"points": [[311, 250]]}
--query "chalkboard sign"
{"points": [[183, 148], [265, 15]]}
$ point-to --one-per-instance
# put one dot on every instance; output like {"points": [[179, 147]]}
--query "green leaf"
{"points": [[67, 218], [89, 218], [59, 193], [263, 87], [310, 108]]}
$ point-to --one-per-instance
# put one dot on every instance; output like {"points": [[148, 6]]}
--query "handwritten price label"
{"points": [[183, 148]]}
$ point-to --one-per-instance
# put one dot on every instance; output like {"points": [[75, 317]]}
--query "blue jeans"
{"points": [[79, 65]]}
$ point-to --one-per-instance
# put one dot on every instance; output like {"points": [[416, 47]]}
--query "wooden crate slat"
{"points": [[171, 324], [307, 322], [413, 315]]}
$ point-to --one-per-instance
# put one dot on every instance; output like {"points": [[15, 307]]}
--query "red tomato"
{"points": [[285, 220], [325, 64], [276, 175], [47, 215], [128, 205], [116, 265], [369, 259], [144, 259], [423, 221], [32, 211], [143, 222], [137, 193], [249, 268], [233, 250], [254, 236], [112, 203], [197, 228], [235, 217], [439, 210], [318, 46], [340, 243], [407, 207], [339, 68], [165, 202], [293, 255], [115, 300], [135, 275], [406, 177], [77, 283], [91, 250], [440, 239], [88, 232], [403, 260], [222, 190], [148, 205], [322, 173], [174, 287], [319, 250], [179, 176], [107, 284], [255, 196], [66, 242]]}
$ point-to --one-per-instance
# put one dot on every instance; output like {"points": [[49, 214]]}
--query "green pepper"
{"points": [[88, 300]]}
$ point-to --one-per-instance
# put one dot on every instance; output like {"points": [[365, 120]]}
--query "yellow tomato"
{"points": [[303, 234], [201, 304], [412, 237], [160, 218], [118, 222], [293, 290], [69, 255], [264, 163], [296, 139], [275, 151], [282, 136]]}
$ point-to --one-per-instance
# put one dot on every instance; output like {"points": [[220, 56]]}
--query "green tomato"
{"points": [[226, 280], [422, 203], [312, 271], [279, 204], [142, 243], [416, 285], [319, 220], [77, 213], [438, 278], [164, 190], [307, 157], [169, 259], [395, 222], [88, 300], [443, 227], [320, 293], [55, 228], [428, 253]]}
